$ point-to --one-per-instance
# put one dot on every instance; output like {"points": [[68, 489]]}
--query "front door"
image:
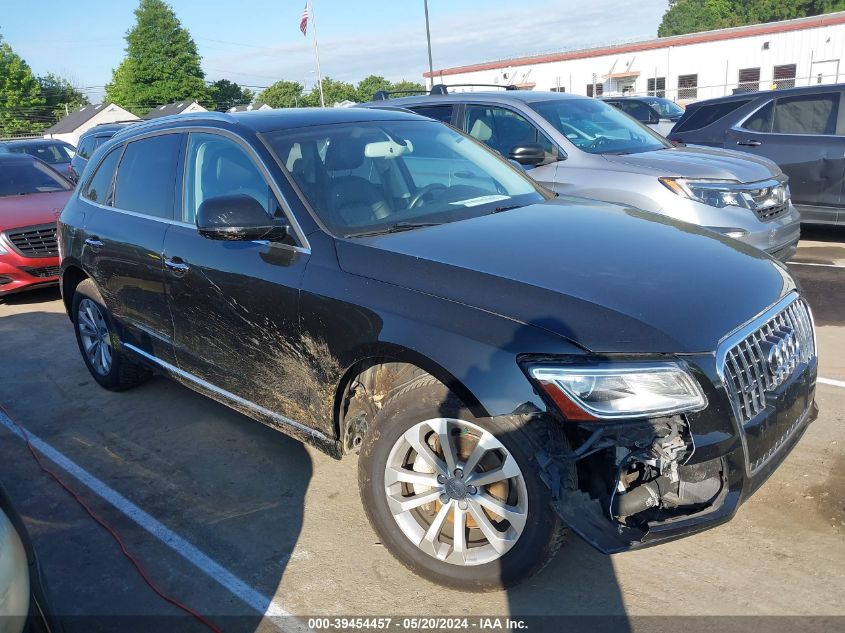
{"points": [[502, 129], [234, 303], [805, 136]]}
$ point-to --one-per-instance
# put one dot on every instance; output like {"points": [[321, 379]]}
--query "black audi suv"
{"points": [[506, 363]]}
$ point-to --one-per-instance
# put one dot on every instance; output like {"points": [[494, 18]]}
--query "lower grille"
{"points": [[46, 271], [767, 357], [770, 213], [35, 241]]}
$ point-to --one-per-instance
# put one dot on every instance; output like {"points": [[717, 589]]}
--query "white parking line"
{"points": [[816, 264], [831, 381], [249, 596]]}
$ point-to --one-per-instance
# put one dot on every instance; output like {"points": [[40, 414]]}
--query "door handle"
{"points": [[94, 242], [176, 265], [750, 143]]}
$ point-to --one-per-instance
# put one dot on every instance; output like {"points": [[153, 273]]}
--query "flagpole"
{"points": [[428, 39], [317, 53]]}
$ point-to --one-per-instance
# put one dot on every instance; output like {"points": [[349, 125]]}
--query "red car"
{"points": [[32, 195]]}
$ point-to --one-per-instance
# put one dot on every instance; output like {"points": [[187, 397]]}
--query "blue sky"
{"points": [[258, 41]]}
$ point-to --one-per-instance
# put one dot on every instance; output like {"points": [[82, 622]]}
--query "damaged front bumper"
{"points": [[719, 452]]}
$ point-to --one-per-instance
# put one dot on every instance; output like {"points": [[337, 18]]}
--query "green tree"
{"points": [[369, 86], [20, 95], [407, 86], [162, 64], [224, 94], [60, 97], [334, 91], [282, 94], [691, 16]]}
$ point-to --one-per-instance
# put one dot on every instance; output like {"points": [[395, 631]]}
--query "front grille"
{"points": [[46, 271], [35, 241], [769, 199], [767, 357]]}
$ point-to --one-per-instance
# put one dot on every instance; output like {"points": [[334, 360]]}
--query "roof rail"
{"points": [[146, 124], [384, 95], [443, 89]]}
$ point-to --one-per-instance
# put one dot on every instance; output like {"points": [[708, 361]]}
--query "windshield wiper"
{"points": [[396, 227], [505, 208]]}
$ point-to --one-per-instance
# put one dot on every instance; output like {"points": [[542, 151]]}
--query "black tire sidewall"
{"points": [[534, 546], [87, 290]]}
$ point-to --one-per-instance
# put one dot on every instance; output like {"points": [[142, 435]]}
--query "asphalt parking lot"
{"points": [[237, 520]]}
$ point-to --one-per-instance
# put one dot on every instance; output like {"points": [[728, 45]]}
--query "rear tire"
{"points": [[99, 344], [392, 474]]}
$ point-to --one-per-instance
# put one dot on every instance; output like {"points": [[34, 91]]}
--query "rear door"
{"points": [[805, 135], [125, 224], [234, 303]]}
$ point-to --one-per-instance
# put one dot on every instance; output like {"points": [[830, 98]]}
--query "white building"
{"points": [[252, 107], [177, 107], [684, 68], [70, 128]]}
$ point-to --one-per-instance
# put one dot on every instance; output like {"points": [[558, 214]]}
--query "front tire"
{"points": [[456, 498], [97, 340]]}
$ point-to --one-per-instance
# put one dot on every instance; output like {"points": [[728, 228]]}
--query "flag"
{"points": [[303, 23]]}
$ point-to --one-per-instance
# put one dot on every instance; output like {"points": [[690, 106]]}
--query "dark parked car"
{"points": [[659, 113], [57, 154], [801, 129], [506, 362], [89, 142]]}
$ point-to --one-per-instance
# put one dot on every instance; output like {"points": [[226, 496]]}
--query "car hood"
{"points": [[608, 278], [35, 208], [698, 162]]}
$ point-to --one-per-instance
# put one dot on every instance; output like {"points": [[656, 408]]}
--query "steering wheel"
{"points": [[599, 142], [424, 192]]}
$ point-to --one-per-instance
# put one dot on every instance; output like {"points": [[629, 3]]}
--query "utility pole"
{"points": [[428, 39], [317, 55]]}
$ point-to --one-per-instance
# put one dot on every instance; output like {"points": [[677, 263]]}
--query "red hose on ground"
{"points": [[139, 568]]}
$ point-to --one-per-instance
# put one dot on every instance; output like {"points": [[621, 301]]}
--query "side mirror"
{"points": [[529, 155], [237, 217]]}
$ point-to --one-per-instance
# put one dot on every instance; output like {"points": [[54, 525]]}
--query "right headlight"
{"points": [[14, 578], [730, 193], [615, 391]]}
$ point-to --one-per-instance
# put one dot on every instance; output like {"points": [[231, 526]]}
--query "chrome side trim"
{"points": [[226, 394]]}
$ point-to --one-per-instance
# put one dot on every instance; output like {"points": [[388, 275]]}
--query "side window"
{"points": [[502, 130], [86, 147], [760, 121], [806, 114], [146, 177], [637, 110], [439, 112], [218, 166], [99, 187], [704, 115]]}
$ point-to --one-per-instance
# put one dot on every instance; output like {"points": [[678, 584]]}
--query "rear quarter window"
{"points": [[99, 187], [438, 112], [701, 116]]}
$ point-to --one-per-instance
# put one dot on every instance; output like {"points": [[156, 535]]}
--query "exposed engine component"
{"points": [[651, 475]]}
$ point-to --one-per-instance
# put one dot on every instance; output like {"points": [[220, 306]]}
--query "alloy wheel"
{"points": [[456, 491], [94, 333]]}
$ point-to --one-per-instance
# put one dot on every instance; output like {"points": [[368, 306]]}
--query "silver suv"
{"points": [[583, 147]]}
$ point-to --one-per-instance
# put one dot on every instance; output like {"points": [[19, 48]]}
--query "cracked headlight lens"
{"points": [[620, 391]]}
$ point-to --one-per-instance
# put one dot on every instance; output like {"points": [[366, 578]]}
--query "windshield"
{"points": [[50, 153], [19, 178], [598, 128], [665, 107], [371, 177]]}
